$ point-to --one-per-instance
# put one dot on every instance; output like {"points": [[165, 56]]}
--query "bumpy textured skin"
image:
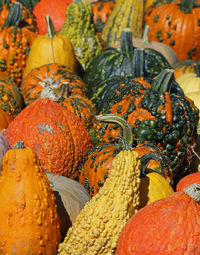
{"points": [[15, 43], [29, 4], [79, 28], [100, 222], [165, 119], [187, 181], [125, 14], [28, 215], [102, 10], [54, 75], [171, 24], [11, 99], [57, 135], [96, 165], [169, 226]]}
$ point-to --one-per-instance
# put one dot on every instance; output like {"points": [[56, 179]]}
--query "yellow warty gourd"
{"points": [[100, 222]]}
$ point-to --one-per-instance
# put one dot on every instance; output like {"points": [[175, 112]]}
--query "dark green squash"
{"points": [[126, 61], [160, 115]]}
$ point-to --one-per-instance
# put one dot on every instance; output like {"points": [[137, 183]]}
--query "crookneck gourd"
{"points": [[57, 135], [160, 115], [51, 48], [79, 28], [125, 14], [126, 61], [97, 162], [168, 226], [173, 22], [28, 212], [100, 222], [17, 31]]}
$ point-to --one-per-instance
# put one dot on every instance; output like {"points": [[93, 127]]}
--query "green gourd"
{"points": [[79, 28]]}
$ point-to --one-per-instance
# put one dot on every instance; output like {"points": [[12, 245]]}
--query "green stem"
{"points": [[126, 41], [51, 33], [187, 5], [163, 81], [19, 145], [145, 161], [126, 131], [14, 16], [139, 62], [145, 34]]}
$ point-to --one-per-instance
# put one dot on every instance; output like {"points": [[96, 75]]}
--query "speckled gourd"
{"points": [[79, 28], [28, 212], [100, 222]]}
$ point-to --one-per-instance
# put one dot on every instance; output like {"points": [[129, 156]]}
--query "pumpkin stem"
{"points": [[77, 1], [14, 16], [187, 5], [19, 145], [145, 161], [126, 41], [193, 191], [126, 131], [51, 33], [145, 34], [138, 62]]}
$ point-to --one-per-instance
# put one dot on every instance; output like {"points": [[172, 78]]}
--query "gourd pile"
{"points": [[99, 127]]}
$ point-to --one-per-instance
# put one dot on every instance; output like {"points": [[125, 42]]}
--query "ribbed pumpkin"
{"points": [[17, 31], [161, 115], [100, 222], [126, 14], [97, 162], [29, 4], [168, 226], [126, 61], [28, 214], [55, 9], [57, 135], [51, 48], [54, 75], [173, 22], [79, 28], [4, 147]]}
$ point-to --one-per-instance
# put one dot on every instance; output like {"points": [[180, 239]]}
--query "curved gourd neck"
{"points": [[14, 16]]}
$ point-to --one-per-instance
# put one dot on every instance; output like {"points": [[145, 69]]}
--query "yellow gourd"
{"points": [[100, 222], [51, 48], [153, 187]]}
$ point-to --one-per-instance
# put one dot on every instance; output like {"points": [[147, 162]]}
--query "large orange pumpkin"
{"points": [[57, 135]]}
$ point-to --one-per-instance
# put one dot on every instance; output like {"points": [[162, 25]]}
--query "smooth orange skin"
{"points": [[57, 135], [178, 28], [187, 181], [5, 119], [28, 212], [169, 226]]}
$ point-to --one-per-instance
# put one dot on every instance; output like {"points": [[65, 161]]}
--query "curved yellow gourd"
{"points": [[100, 222], [126, 14], [153, 187]]}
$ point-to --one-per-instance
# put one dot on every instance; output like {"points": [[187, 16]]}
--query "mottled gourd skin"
{"points": [[28, 212], [125, 14], [79, 28], [58, 136], [100, 222]]}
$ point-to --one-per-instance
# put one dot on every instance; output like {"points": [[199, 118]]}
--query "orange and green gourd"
{"points": [[59, 138], [17, 31], [126, 14], [98, 225], [51, 48], [79, 28], [28, 214], [97, 162], [168, 226], [160, 115], [173, 22]]}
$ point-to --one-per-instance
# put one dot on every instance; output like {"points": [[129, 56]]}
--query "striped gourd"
{"points": [[125, 14]]}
